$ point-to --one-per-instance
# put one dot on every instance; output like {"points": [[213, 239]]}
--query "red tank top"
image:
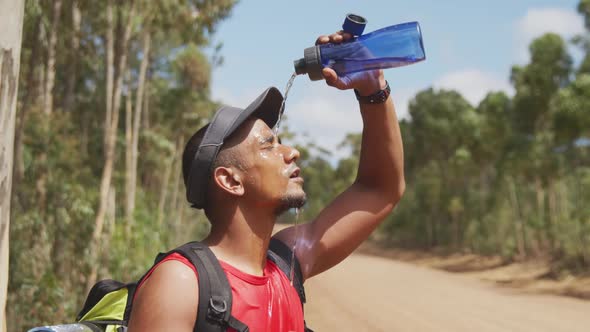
{"points": [[264, 303]]}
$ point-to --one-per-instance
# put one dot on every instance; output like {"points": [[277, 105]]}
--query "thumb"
{"points": [[330, 76]]}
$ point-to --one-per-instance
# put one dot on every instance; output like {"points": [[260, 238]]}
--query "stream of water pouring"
{"points": [[292, 267], [282, 110], [297, 211]]}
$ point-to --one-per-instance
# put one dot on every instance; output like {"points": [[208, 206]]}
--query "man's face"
{"points": [[270, 175]]}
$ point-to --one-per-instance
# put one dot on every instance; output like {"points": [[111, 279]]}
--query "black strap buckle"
{"points": [[217, 309]]}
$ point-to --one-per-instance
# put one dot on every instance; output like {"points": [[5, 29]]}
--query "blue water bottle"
{"points": [[393, 46]]}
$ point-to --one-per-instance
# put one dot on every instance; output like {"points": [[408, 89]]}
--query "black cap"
{"points": [[225, 121]]}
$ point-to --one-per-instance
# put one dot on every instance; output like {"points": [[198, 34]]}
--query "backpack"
{"points": [[108, 305]]}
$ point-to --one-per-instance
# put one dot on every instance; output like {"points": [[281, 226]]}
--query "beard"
{"points": [[291, 201]]}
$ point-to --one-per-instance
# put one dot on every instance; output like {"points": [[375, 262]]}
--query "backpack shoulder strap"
{"points": [[281, 255], [215, 298]]}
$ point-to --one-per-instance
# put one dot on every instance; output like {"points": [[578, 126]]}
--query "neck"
{"points": [[240, 237]]}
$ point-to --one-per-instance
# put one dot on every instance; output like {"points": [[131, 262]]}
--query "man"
{"points": [[246, 185]]}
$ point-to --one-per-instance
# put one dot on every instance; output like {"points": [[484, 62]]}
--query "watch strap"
{"points": [[377, 98]]}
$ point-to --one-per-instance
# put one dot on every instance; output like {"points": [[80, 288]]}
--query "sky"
{"points": [[470, 47]]}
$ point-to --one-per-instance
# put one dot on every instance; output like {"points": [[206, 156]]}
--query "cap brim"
{"points": [[266, 107]]}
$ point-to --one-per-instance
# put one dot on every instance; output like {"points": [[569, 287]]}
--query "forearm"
{"points": [[349, 220], [381, 165]]}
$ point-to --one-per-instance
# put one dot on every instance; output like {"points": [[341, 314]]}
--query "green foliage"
{"points": [[537, 82], [56, 198], [570, 109]]}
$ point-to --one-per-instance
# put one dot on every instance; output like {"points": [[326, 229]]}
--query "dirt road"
{"points": [[366, 293]]}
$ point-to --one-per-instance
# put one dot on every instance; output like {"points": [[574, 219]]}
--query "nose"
{"points": [[292, 154]]}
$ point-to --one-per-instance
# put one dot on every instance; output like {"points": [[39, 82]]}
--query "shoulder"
{"points": [[168, 300]]}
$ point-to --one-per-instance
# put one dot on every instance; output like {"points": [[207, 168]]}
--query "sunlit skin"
{"points": [[245, 201]]}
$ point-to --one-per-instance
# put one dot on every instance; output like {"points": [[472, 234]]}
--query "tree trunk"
{"points": [[145, 114], [110, 218], [549, 215], [31, 98], [164, 190], [132, 175], [519, 226], [429, 233], [69, 101], [436, 225], [176, 180], [85, 132], [456, 230], [541, 216], [11, 22], [128, 156], [122, 65], [110, 73], [50, 76], [110, 150], [41, 184], [43, 38]]}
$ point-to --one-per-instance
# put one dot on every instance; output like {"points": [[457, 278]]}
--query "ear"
{"points": [[228, 180]]}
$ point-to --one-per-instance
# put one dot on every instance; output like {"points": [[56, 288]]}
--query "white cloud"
{"points": [[236, 99], [324, 115], [473, 84], [538, 21]]}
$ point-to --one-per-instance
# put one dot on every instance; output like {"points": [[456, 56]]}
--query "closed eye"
{"points": [[269, 141]]}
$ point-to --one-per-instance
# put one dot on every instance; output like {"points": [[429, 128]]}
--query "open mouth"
{"points": [[295, 173]]}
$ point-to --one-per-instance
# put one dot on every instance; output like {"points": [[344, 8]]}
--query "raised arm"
{"points": [[349, 220]]}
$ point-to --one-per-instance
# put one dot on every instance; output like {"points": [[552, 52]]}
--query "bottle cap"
{"points": [[354, 24], [310, 64]]}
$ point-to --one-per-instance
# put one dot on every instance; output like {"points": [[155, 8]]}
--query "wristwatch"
{"points": [[377, 98]]}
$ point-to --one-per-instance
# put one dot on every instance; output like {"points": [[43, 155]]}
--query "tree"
{"points": [[537, 82], [583, 40], [94, 68], [571, 121], [133, 127], [51, 57], [532, 152], [443, 131], [111, 133], [30, 79], [11, 22], [69, 98]]}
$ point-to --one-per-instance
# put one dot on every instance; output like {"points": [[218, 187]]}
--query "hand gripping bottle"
{"points": [[393, 46]]}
